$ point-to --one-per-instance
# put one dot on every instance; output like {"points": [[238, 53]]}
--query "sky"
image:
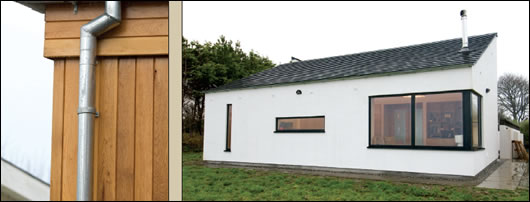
{"points": [[310, 30], [27, 83]]}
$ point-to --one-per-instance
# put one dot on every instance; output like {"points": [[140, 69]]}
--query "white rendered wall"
{"points": [[23, 184], [484, 74], [505, 143], [507, 135], [517, 135], [344, 144]]}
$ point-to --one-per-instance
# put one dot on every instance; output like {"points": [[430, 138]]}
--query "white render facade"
{"points": [[508, 134], [345, 105]]}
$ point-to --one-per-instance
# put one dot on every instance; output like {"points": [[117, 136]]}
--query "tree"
{"points": [[513, 96], [210, 65]]}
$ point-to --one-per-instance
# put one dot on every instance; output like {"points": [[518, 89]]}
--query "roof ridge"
{"points": [[385, 49]]}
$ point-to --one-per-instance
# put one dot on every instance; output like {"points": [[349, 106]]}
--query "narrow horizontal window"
{"points": [[300, 124]]}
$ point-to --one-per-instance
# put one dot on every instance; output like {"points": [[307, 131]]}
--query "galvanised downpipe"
{"points": [[86, 111]]}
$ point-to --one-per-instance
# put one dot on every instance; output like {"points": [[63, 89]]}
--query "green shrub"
{"points": [[524, 130], [192, 142]]}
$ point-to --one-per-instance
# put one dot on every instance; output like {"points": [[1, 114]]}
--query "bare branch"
{"points": [[513, 96]]}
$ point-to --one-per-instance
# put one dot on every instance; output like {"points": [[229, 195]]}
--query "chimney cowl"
{"points": [[293, 59]]}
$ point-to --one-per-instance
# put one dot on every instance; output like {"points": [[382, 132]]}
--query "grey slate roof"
{"points": [[427, 56]]}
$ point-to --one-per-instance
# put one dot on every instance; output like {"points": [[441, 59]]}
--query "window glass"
{"points": [[228, 127], [475, 120], [438, 120], [300, 124], [390, 118]]}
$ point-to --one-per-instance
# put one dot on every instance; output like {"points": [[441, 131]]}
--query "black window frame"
{"points": [[300, 131], [466, 118]]}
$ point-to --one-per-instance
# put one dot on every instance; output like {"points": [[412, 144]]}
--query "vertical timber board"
{"points": [[69, 164], [160, 136], [130, 158], [144, 129], [106, 166], [125, 129], [57, 130], [95, 152]]}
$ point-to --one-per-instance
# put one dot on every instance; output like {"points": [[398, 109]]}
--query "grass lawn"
{"points": [[203, 183]]}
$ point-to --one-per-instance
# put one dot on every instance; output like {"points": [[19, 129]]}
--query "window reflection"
{"points": [[438, 120], [300, 124], [475, 120], [391, 120]]}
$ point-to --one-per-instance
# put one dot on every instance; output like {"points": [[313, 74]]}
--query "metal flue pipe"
{"points": [[463, 15], [86, 111]]}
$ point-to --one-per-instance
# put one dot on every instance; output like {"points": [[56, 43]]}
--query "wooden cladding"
{"points": [[109, 47], [127, 28], [143, 30], [130, 159], [130, 136], [91, 10]]}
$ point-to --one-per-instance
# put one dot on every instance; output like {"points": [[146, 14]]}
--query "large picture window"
{"points": [[300, 124], [441, 120]]}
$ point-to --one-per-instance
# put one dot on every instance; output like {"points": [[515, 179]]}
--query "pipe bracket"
{"points": [[89, 110]]}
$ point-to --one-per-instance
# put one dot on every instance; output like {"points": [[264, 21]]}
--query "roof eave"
{"points": [[40, 6], [431, 69]]}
